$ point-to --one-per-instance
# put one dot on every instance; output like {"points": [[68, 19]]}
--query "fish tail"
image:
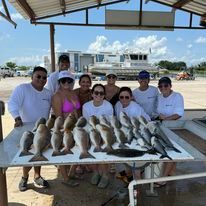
{"points": [[163, 156], [97, 149], [57, 153], [176, 150], [86, 155], [25, 153], [38, 157], [108, 148], [122, 146], [67, 151]]}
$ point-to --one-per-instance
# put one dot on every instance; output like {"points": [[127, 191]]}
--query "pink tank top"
{"points": [[69, 107]]}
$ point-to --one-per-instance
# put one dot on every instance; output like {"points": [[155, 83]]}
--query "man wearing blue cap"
{"points": [[146, 95]]}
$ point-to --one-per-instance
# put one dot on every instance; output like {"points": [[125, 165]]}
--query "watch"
{"points": [[17, 119]]}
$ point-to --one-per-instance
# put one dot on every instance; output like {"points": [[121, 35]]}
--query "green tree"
{"points": [[12, 65]]}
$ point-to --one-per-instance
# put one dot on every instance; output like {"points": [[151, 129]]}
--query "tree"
{"points": [[11, 65]]}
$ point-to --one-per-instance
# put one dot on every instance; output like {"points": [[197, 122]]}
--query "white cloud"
{"points": [[4, 36], [189, 46], [27, 60], [200, 39], [179, 39], [16, 16]]}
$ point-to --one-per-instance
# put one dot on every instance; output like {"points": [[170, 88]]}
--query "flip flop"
{"points": [[70, 183], [95, 179], [104, 181], [159, 184]]}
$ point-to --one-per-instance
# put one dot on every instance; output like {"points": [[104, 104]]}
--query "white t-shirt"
{"points": [[52, 82], [173, 104], [29, 103], [132, 110], [147, 99], [89, 109]]}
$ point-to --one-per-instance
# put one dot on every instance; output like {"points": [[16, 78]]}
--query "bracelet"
{"points": [[17, 119]]}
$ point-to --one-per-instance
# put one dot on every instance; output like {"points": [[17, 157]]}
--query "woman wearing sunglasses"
{"points": [[65, 102], [170, 107], [98, 106], [111, 89]]}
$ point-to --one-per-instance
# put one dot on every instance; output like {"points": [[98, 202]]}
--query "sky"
{"points": [[27, 44]]}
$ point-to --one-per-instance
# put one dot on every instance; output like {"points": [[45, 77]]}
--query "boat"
{"points": [[126, 65]]}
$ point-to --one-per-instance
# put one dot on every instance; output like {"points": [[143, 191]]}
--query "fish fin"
{"points": [[86, 155], [108, 148], [57, 153], [97, 149], [67, 151], [176, 150], [122, 146], [36, 158], [163, 156], [25, 153]]}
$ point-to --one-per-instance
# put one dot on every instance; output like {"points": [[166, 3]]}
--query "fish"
{"points": [[93, 121], [126, 153], [107, 136], [96, 140], [81, 122], [58, 124], [115, 123], [128, 133], [25, 143], [152, 127], [40, 142], [145, 133], [135, 122], [143, 144], [124, 119], [82, 140], [159, 148], [56, 142], [136, 133], [41, 120], [50, 123], [103, 120], [121, 138], [143, 121], [68, 142], [69, 122]]}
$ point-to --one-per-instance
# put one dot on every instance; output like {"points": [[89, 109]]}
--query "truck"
{"points": [[7, 72]]}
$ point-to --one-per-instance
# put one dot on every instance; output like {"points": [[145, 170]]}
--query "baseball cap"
{"points": [[63, 57], [111, 72], [144, 75], [165, 80], [66, 74]]}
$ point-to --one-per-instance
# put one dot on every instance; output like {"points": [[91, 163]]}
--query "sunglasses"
{"points": [[163, 85], [66, 80], [124, 97], [41, 77], [111, 77], [99, 93]]}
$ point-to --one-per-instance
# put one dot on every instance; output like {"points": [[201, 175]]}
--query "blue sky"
{"points": [[27, 44]]}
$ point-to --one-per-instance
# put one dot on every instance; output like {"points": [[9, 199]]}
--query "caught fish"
{"points": [[143, 121], [50, 123], [121, 138], [145, 133], [152, 127], [69, 122], [128, 133], [68, 142], [136, 133], [107, 136], [115, 123], [159, 148], [135, 122], [103, 120], [93, 121], [82, 140], [143, 144], [126, 153], [40, 142], [56, 142], [25, 143], [81, 122], [58, 124], [96, 140], [124, 119], [41, 120]]}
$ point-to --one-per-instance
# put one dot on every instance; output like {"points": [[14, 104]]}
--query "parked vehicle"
{"points": [[7, 72], [184, 76]]}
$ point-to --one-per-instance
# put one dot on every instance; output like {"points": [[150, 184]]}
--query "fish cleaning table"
{"points": [[9, 152]]}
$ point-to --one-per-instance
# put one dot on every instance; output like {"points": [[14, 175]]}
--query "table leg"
{"points": [[3, 188]]}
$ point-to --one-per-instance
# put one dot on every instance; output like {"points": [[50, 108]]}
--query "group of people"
{"points": [[57, 97]]}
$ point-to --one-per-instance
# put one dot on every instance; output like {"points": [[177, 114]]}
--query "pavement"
{"points": [[191, 192]]}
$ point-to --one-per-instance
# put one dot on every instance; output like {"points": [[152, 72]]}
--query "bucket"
{"points": [[158, 170]]}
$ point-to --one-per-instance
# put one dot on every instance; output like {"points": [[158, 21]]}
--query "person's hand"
{"points": [[18, 122], [162, 117], [2, 107]]}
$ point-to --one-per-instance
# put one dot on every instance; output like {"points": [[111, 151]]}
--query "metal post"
{"points": [[3, 186], [52, 31]]}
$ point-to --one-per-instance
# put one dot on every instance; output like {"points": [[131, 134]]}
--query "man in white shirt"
{"points": [[64, 64], [146, 95], [28, 103]]}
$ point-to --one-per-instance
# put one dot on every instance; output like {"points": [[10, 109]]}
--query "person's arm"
{"points": [[171, 117], [15, 104], [57, 105], [85, 113]]}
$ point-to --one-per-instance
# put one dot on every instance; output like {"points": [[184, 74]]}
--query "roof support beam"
{"points": [[6, 9], [181, 3], [8, 19], [52, 47], [62, 5], [27, 9]]}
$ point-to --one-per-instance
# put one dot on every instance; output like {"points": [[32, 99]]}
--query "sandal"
{"points": [[70, 183], [104, 181], [95, 178], [159, 184], [76, 177]]}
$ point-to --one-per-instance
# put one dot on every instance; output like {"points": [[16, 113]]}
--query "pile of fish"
{"points": [[103, 132]]}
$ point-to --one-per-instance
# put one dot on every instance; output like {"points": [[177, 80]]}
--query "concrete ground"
{"points": [[183, 192]]}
